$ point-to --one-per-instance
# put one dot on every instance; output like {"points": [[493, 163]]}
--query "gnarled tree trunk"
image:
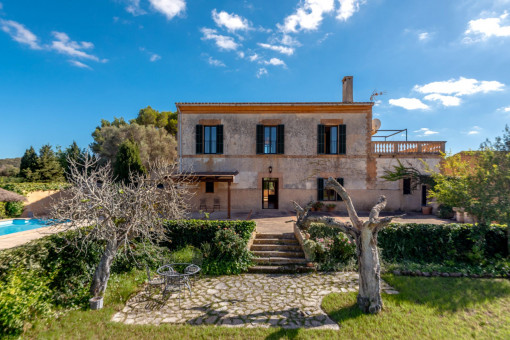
{"points": [[364, 233], [102, 273]]}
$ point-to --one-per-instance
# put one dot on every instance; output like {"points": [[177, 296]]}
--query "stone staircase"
{"points": [[278, 253]]}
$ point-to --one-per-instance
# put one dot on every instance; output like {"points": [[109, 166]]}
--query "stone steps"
{"points": [[275, 247], [278, 253], [280, 269], [276, 241]]}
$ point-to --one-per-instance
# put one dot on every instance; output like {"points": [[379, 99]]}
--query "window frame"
{"points": [[208, 189], [321, 196]]}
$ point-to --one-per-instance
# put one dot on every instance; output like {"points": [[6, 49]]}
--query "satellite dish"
{"points": [[376, 125]]}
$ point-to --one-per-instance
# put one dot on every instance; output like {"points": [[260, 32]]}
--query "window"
{"points": [[209, 187], [270, 139], [331, 139], [327, 194], [209, 139], [407, 186]]}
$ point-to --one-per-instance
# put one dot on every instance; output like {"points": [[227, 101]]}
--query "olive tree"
{"points": [[364, 235], [100, 208]]}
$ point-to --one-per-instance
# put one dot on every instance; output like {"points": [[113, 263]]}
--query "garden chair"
{"points": [[216, 204], [203, 204], [191, 270], [153, 281]]}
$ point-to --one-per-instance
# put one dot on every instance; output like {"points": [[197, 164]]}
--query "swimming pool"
{"points": [[17, 225]]}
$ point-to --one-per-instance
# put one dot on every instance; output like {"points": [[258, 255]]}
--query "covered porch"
{"points": [[217, 177]]}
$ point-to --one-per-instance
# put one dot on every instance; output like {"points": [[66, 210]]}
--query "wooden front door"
{"points": [[269, 193]]}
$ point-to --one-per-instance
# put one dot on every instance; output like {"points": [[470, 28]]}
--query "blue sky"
{"points": [[443, 66]]}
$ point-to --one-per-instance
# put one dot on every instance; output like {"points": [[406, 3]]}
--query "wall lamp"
{"points": [[270, 169]]}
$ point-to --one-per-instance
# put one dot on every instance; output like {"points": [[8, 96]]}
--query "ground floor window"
{"points": [[324, 194], [407, 186], [209, 187]]}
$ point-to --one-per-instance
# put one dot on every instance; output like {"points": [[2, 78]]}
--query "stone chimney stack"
{"points": [[347, 96]]}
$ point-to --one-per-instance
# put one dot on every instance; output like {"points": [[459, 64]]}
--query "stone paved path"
{"points": [[248, 300]]}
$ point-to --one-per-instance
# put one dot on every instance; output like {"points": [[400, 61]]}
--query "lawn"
{"points": [[425, 308]]}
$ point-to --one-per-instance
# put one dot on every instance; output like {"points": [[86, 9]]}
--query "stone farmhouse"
{"points": [[254, 156]]}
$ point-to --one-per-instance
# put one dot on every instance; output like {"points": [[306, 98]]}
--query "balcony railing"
{"points": [[395, 148]]}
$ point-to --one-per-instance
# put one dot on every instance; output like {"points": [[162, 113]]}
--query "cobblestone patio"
{"points": [[248, 300]]}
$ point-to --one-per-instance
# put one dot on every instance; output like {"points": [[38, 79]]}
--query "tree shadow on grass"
{"points": [[447, 294]]}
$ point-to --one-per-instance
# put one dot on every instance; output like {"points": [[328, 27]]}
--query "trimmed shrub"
{"points": [[223, 243], [3, 214], [333, 250], [197, 232], [432, 243]]}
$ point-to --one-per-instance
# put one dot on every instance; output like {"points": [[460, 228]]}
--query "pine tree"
{"points": [[49, 168], [29, 164], [128, 160]]}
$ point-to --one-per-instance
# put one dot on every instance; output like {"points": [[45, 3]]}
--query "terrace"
{"points": [[403, 147]]}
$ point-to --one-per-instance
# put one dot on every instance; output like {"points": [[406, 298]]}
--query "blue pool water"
{"points": [[17, 225]]}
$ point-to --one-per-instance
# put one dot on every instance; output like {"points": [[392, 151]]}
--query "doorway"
{"points": [[269, 193]]}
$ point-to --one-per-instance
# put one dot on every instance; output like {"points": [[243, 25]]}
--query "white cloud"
{"points": [[20, 33], [170, 8], [475, 130], [154, 57], [504, 109], [278, 48], [232, 22], [253, 57], [222, 41], [426, 132], [347, 9], [65, 45], [460, 87], [409, 103], [133, 7], [289, 41], [240, 54], [424, 36], [445, 100], [486, 28], [308, 16], [275, 62], [215, 62], [261, 72], [321, 40], [79, 64]]}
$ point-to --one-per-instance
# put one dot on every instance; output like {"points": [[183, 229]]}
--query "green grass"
{"points": [[425, 308], [432, 308]]}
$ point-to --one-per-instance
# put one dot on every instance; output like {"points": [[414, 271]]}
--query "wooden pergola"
{"points": [[215, 176]]}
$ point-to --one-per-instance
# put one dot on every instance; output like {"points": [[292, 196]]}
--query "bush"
{"points": [[197, 232], [445, 211], [28, 187], [14, 209], [54, 273], [3, 214], [432, 243], [333, 250]]}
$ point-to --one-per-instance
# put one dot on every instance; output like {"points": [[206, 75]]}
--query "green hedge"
{"points": [[27, 187], [432, 243], [222, 243], [197, 232]]}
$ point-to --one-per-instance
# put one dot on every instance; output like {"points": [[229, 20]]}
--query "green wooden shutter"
{"points": [[341, 181], [219, 139], [199, 134], [320, 139], [342, 139], [260, 139], [280, 137], [320, 189]]}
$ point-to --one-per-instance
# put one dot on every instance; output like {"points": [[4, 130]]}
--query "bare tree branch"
{"points": [[331, 183]]}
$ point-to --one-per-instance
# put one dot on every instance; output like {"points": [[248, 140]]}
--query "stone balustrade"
{"points": [[396, 148]]}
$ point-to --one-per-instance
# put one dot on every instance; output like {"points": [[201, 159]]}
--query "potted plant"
{"points": [[331, 206], [426, 210], [317, 206]]}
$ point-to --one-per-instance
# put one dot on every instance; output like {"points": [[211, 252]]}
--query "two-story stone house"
{"points": [[253, 156]]}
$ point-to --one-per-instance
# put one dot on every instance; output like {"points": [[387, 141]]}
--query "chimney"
{"points": [[347, 89]]}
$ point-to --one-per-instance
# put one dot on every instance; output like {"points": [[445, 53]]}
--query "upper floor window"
{"points": [[270, 139], [331, 139], [209, 139], [327, 194]]}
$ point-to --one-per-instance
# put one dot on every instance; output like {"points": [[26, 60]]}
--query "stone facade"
{"points": [[299, 166]]}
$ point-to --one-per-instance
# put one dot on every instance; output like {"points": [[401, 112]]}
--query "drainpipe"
{"points": [[179, 131]]}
